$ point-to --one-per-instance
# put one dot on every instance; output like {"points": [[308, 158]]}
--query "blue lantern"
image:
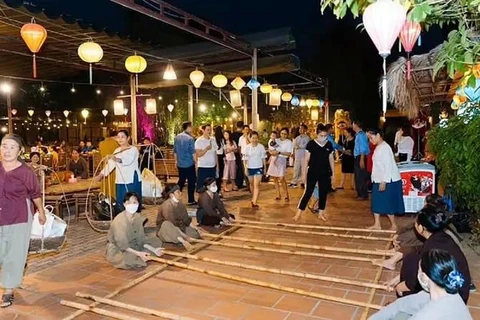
{"points": [[253, 84], [322, 103], [295, 101]]}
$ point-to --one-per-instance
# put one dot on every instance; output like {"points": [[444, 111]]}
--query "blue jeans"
{"points": [[136, 187]]}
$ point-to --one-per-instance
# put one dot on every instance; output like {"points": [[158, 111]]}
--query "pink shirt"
{"points": [[17, 188]]}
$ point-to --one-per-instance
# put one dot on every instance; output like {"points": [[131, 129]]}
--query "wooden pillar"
{"points": [[133, 109], [245, 108], [254, 92], [190, 103]]}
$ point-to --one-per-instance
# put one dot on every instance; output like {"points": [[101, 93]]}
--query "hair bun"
{"points": [[455, 280]]}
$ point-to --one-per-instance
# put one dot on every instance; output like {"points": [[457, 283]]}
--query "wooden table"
{"points": [[81, 185]]}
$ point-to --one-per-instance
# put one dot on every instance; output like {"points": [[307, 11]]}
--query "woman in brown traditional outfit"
{"points": [[126, 241], [211, 211], [18, 188], [173, 223]]}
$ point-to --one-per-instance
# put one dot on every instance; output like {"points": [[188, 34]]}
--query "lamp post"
{"points": [[7, 89]]}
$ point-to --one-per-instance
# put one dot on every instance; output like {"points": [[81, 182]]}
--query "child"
{"points": [[273, 145]]}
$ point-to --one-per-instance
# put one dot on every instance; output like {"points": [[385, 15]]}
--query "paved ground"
{"points": [[81, 267]]}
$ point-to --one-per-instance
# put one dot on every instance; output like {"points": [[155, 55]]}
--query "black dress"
{"points": [[348, 160]]}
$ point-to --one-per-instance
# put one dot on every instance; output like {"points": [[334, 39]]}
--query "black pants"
{"points": [[221, 167], [324, 185], [240, 171], [190, 175], [403, 157], [361, 178]]}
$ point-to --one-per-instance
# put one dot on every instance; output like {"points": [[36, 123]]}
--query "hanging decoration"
{"points": [[85, 114], [66, 113], [170, 107], [253, 84], [48, 113], [238, 83], [104, 112], [235, 98], [309, 103], [197, 77], [275, 97], [14, 112], [169, 73], [266, 88], [34, 35], [315, 103], [408, 36], [151, 106], [321, 103], [90, 52], [31, 112], [383, 21], [135, 64], [295, 101], [219, 81], [303, 103], [287, 96], [118, 107], [314, 115]]}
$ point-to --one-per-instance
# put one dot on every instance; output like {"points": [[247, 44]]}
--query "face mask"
{"points": [[322, 139], [174, 199], [131, 207], [213, 189], [422, 283]]}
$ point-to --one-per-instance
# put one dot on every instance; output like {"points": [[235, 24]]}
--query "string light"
{"points": [[73, 88]]}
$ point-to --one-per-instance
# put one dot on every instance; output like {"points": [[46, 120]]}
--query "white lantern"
{"points": [[14, 112], [275, 97], [303, 103], [309, 103], [235, 98], [219, 81], [238, 83], [118, 107], [151, 106], [170, 107], [31, 112], [197, 77], [104, 112], [85, 114], [125, 112], [169, 73], [66, 113], [314, 114]]}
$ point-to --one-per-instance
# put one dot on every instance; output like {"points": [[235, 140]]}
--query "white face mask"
{"points": [[174, 199], [213, 189], [422, 283], [322, 139], [131, 207]]}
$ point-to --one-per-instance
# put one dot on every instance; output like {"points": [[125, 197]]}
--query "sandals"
{"points": [[7, 300]]}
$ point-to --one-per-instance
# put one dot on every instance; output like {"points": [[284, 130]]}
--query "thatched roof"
{"points": [[410, 96]]}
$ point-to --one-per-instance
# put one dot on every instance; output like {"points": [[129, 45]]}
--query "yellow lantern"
{"points": [[235, 98], [90, 52], [151, 106], [219, 81], [266, 88], [314, 114], [135, 64], [118, 107], [309, 103], [316, 103], [287, 96], [34, 36], [197, 77], [275, 97], [238, 83]]}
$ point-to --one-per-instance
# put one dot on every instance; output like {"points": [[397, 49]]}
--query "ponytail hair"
{"points": [[441, 267]]}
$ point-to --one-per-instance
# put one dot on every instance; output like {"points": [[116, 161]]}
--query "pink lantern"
{"points": [[383, 21], [409, 35]]}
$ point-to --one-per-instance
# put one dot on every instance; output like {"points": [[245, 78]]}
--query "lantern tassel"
{"points": [[34, 66], [409, 66], [219, 94], [196, 95], [384, 87], [91, 74], [136, 82]]}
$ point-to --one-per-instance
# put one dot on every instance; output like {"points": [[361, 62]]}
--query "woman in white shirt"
{"points": [[254, 156], [125, 160], [404, 144], [387, 193], [277, 168]]}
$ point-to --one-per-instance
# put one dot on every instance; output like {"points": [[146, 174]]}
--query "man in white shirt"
{"points": [[207, 161]]}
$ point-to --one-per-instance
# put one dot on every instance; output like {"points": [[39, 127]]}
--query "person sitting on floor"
{"points": [[439, 299], [126, 240], [211, 211], [173, 223]]}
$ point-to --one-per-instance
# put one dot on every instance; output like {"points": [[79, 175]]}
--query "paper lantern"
{"points": [[314, 114], [322, 103], [275, 97], [169, 73], [266, 88], [303, 103], [31, 112], [286, 96], [238, 83], [125, 112], [408, 36], [66, 113], [253, 84], [316, 103], [14, 112], [151, 106], [104, 112], [135, 64], [383, 21], [90, 52], [235, 98], [170, 107], [295, 101], [48, 113], [85, 114], [196, 77], [118, 107], [34, 35], [309, 103], [219, 81]]}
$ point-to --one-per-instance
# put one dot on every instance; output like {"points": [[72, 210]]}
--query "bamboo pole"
{"points": [[285, 251], [351, 236], [136, 281], [276, 271], [266, 284], [161, 314], [310, 226], [298, 245], [103, 312]]}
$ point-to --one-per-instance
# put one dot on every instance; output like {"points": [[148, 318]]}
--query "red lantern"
{"points": [[409, 35], [34, 36]]}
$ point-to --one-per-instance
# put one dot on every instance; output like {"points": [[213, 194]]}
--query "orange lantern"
{"points": [[34, 36]]}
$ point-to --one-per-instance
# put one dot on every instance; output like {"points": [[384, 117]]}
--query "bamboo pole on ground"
{"points": [[285, 251], [276, 271], [299, 245], [161, 314], [103, 312], [310, 226], [266, 284], [351, 236], [136, 281]]}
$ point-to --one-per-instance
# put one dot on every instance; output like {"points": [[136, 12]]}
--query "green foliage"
{"points": [[286, 116], [457, 150]]}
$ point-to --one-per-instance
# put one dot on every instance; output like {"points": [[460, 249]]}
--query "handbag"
{"points": [[53, 227], [106, 208]]}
